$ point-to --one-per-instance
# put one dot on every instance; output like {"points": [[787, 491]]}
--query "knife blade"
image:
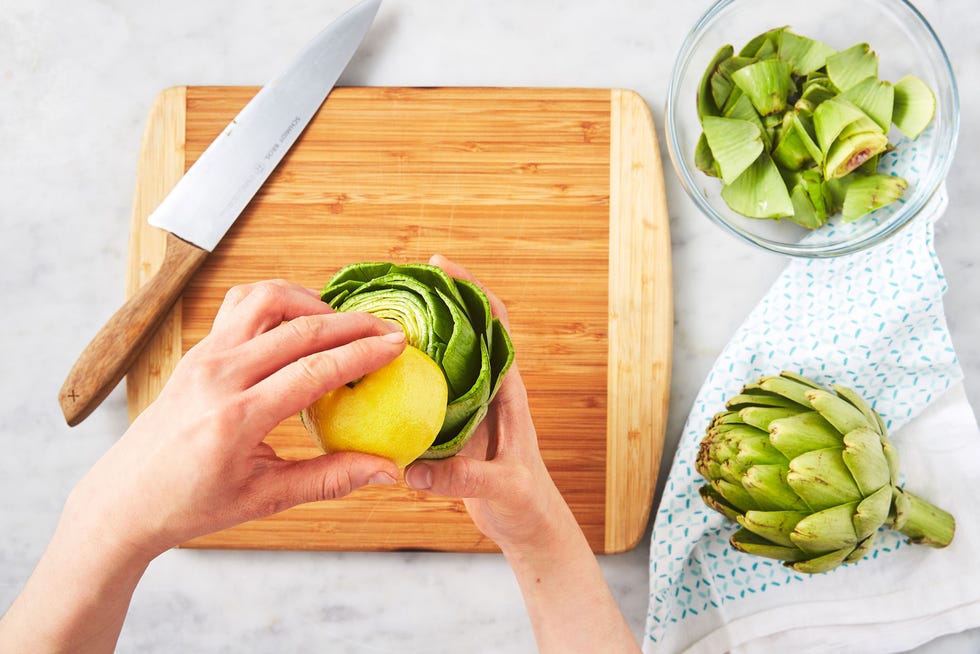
{"points": [[208, 199]]}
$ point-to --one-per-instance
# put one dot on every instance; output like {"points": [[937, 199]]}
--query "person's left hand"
{"points": [[195, 462]]}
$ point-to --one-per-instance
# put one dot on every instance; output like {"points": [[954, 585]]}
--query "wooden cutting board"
{"points": [[553, 198]]}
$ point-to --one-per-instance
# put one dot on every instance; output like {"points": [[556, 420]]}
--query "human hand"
{"points": [[195, 462], [500, 474]]}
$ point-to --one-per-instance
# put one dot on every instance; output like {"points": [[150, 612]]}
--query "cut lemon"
{"points": [[395, 412]]}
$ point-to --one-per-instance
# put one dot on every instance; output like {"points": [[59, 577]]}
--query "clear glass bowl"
{"points": [[905, 44]]}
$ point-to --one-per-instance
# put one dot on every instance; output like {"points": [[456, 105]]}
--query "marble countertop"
{"points": [[76, 81]]}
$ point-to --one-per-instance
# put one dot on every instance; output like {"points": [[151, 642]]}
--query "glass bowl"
{"points": [[905, 44]]}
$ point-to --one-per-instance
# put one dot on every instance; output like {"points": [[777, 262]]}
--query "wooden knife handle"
{"points": [[115, 348]]}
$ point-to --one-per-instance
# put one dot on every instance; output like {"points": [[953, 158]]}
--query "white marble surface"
{"points": [[76, 80]]}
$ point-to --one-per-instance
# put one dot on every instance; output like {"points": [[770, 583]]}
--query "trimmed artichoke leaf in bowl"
{"points": [[812, 129], [810, 475], [446, 318]]}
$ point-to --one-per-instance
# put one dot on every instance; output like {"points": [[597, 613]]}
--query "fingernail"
{"points": [[381, 477], [395, 337], [419, 476]]}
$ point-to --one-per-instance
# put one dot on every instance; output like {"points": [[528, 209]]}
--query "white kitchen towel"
{"points": [[872, 321]]}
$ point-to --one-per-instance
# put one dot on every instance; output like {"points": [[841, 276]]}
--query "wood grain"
{"points": [[552, 197]]}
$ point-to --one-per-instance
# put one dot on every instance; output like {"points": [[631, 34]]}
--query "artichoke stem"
{"points": [[926, 523]]}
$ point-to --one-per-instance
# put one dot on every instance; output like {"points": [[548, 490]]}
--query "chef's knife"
{"points": [[207, 200]]}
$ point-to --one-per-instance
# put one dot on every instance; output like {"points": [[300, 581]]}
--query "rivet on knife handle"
{"points": [[117, 345]]}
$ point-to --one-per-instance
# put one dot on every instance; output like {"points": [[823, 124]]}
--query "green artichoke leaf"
{"points": [[813, 96], [822, 479], [726, 418], [834, 190], [713, 500], [725, 427], [743, 400], [759, 192], [453, 446], [730, 66], [465, 358], [760, 417], [875, 98], [812, 181], [872, 512], [733, 493], [501, 356], [803, 125], [862, 548], [704, 160], [734, 144], [865, 458], [805, 431], [915, 106], [744, 540], [767, 82], [360, 273], [855, 64], [838, 411], [831, 117], [477, 306], [866, 193], [781, 385], [740, 107], [859, 403], [775, 526], [705, 100], [805, 213], [763, 45], [791, 153], [828, 530], [721, 88], [803, 55], [823, 563], [768, 485], [459, 410], [756, 450]]}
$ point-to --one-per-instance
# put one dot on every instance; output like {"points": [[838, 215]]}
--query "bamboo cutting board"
{"points": [[553, 198]]}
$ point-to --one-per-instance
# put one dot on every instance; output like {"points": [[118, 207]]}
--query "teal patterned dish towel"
{"points": [[873, 321]]}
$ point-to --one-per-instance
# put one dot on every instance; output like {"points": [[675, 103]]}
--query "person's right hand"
{"points": [[500, 473]]}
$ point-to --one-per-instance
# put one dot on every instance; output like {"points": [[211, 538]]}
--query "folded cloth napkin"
{"points": [[872, 321]]}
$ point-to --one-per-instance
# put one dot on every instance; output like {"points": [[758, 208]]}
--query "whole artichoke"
{"points": [[810, 475], [448, 319]]}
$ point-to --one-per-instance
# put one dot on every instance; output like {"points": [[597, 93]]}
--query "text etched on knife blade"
{"points": [[260, 166]]}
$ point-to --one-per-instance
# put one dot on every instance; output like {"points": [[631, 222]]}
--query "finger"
{"points": [[304, 335], [497, 307], [252, 309], [299, 384], [458, 476], [328, 477], [235, 295]]}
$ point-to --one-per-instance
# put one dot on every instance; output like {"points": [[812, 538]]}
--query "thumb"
{"points": [[332, 476], [458, 476]]}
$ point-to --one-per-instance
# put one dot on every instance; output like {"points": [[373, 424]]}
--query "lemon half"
{"points": [[395, 412]]}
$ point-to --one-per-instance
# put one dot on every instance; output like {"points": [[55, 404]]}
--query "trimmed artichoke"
{"points": [[448, 319], [810, 475]]}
